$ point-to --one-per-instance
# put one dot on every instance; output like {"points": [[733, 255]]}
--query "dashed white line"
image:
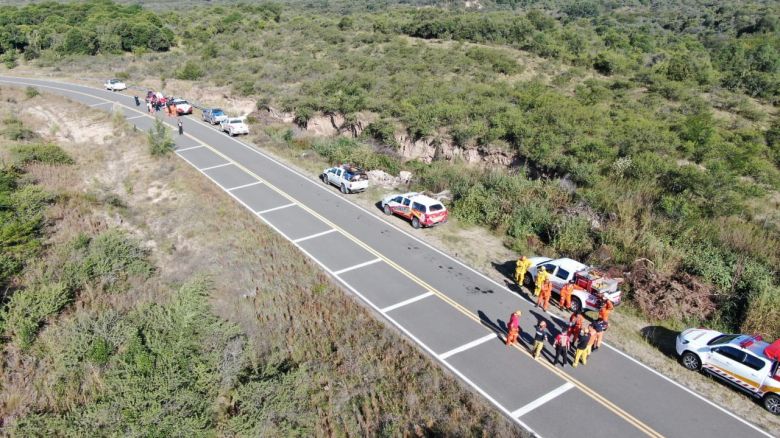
{"points": [[358, 266], [405, 302], [190, 148], [313, 236], [465, 347], [244, 186], [101, 103], [136, 117], [542, 400], [274, 209], [214, 167]]}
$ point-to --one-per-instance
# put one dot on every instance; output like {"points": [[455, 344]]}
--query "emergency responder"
{"points": [[600, 326], [544, 295], [591, 340], [137, 101], [513, 327], [562, 343], [541, 276], [181, 127], [605, 309], [575, 325], [539, 337], [582, 347], [521, 268], [565, 301]]}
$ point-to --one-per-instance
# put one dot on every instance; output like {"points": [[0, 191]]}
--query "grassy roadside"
{"points": [[649, 341], [207, 339]]}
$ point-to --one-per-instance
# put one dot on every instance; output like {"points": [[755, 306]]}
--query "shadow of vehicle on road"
{"points": [[662, 338]]}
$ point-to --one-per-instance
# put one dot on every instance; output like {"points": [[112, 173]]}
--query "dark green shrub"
{"points": [[45, 153], [189, 72], [159, 139]]}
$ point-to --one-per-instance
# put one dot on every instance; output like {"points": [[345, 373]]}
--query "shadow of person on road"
{"points": [[498, 327], [507, 270], [661, 338], [553, 326]]}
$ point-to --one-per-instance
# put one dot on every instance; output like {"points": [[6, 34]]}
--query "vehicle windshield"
{"points": [[217, 112], [722, 339], [180, 102], [235, 121], [435, 207]]}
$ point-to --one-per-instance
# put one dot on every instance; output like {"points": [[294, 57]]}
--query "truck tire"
{"points": [[324, 178], [772, 403], [692, 362], [344, 189], [576, 305], [415, 223], [387, 210]]}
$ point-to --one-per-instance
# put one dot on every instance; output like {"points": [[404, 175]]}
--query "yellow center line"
{"points": [[584, 388]]}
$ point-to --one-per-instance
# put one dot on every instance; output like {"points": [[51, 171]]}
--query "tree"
{"points": [[160, 141]]}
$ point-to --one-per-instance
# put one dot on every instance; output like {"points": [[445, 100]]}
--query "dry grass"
{"points": [[360, 377]]}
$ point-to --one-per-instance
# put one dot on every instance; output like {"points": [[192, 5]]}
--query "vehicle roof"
{"points": [[568, 264], [757, 347], [424, 200], [235, 119]]}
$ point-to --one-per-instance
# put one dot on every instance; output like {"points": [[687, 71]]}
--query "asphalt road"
{"points": [[455, 314]]}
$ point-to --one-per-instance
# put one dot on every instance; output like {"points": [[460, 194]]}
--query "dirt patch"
{"points": [[67, 126], [678, 298]]}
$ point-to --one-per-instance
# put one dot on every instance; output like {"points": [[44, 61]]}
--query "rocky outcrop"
{"points": [[443, 148], [440, 147]]}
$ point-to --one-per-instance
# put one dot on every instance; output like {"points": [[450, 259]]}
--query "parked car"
{"points": [[348, 179], [115, 85], [746, 362], [214, 115], [182, 106], [234, 126], [421, 210], [591, 286]]}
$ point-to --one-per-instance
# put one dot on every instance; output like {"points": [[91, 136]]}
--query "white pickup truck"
{"points": [[590, 285], [348, 178]]}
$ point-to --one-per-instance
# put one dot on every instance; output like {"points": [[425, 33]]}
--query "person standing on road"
{"points": [[605, 309], [181, 127], [137, 101], [149, 107], [575, 325], [513, 328], [565, 301], [582, 347], [600, 326], [539, 336], [522, 267], [544, 295], [562, 343], [541, 277]]}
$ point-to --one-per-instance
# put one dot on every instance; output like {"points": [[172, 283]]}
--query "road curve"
{"points": [[452, 312]]}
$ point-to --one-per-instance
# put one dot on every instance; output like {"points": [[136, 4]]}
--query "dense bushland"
{"points": [[641, 131], [97, 26]]}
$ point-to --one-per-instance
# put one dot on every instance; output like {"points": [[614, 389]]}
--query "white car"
{"points": [[743, 361], [115, 85], [421, 210], [234, 126], [182, 106], [590, 284], [348, 178]]}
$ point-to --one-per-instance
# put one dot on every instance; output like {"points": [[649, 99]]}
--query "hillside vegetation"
{"points": [[639, 132], [122, 316]]}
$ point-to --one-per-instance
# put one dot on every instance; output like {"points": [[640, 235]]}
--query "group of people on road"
{"points": [[155, 102], [584, 340]]}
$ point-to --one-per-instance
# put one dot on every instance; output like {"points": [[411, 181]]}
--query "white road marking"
{"points": [[358, 266], [465, 347], [20, 80], [245, 185], [190, 148], [405, 302], [542, 400], [136, 117], [313, 236], [214, 167], [101, 103], [274, 209]]}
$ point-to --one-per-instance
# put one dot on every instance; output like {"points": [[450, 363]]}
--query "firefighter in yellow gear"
{"points": [[541, 276], [522, 267]]}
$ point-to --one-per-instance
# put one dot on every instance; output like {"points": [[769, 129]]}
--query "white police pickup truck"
{"points": [[746, 362], [349, 179]]}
